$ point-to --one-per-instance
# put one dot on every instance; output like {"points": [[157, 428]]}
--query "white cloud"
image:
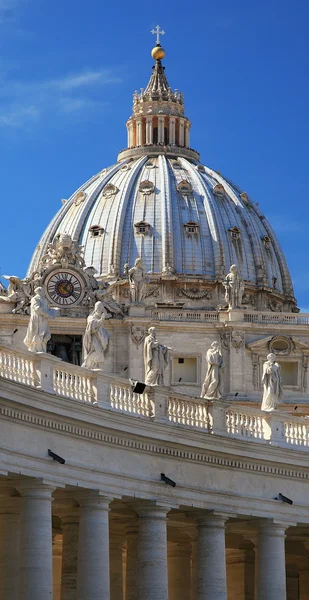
{"points": [[24, 102], [18, 115]]}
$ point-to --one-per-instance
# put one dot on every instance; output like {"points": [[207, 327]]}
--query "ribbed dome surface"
{"points": [[188, 220]]}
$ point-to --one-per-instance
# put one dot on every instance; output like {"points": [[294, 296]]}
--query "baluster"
{"points": [[112, 393], [89, 390], [82, 392], [174, 411], [115, 396], [65, 383], [130, 400], [139, 404], [192, 414]]}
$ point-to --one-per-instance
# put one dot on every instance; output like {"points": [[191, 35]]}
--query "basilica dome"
{"points": [[185, 220]]}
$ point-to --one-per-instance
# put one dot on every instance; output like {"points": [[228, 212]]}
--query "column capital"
{"points": [[274, 527], [94, 499], [35, 488], [153, 509], [211, 519]]}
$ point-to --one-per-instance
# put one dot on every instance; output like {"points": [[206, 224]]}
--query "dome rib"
{"points": [[115, 249], [166, 215]]}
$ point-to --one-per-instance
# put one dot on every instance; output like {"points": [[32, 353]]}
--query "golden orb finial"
{"points": [[157, 52]]}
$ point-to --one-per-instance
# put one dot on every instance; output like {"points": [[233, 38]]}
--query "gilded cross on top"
{"points": [[157, 32]]}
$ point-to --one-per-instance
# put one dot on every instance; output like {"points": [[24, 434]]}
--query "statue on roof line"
{"points": [[63, 250], [38, 332], [137, 280], [234, 287], [19, 293], [213, 384], [103, 291], [156, 358], [96, 338], [272, 382]]}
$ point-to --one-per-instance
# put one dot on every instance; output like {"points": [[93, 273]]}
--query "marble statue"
{"points": [[38, 332], [212, 386], [272, 382], [63, 250], [18, 293], [96, 338], [234, 287], [138, 281], [156, 358]]}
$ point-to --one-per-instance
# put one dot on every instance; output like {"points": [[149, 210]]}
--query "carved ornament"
{"points": [[152, 291], [138, 334], [109, 191], [281, 344], [146, 187], [219, 191], [194, 293], [184, 187], [237, 339], [80, 198]]}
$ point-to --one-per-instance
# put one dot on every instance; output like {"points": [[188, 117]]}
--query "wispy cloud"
{"points": [[23, 103]]}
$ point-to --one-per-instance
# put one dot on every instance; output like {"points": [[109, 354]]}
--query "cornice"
{"points": [[144, 436]]}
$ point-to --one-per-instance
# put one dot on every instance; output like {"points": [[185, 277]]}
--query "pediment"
{"points": [[281, 345]]}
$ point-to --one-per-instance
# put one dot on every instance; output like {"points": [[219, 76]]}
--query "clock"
{"points": [[64, 287]]}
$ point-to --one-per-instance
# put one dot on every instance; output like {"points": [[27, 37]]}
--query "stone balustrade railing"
{"points": [[195, 316], [280, 318], [159, 404]]}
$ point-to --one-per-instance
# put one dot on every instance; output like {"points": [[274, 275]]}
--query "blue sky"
{"points": [[68, 70]]}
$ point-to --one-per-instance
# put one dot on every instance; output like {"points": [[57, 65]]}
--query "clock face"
{"points": [[64, 288]]}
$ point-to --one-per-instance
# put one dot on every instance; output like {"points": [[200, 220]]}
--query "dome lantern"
{"points": [[158, 118]]}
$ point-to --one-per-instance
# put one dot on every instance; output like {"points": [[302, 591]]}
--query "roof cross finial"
{"points": [[157, 32]]}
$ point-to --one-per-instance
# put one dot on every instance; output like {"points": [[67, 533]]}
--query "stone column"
{"points": [[160, 130], [9, 547], [187, 134], [35, 557], [93, 556], [57, 565], [132, 562], [172, 136], [70, 528], [179, 571], [152, 553], [181, 133], [130, 135], [211, 563], [116, 566], [148, 130], [139, 132], [271, 576]]}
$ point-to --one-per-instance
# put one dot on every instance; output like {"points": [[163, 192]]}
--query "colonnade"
{"points": [[164, 129], [92, 560]]}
